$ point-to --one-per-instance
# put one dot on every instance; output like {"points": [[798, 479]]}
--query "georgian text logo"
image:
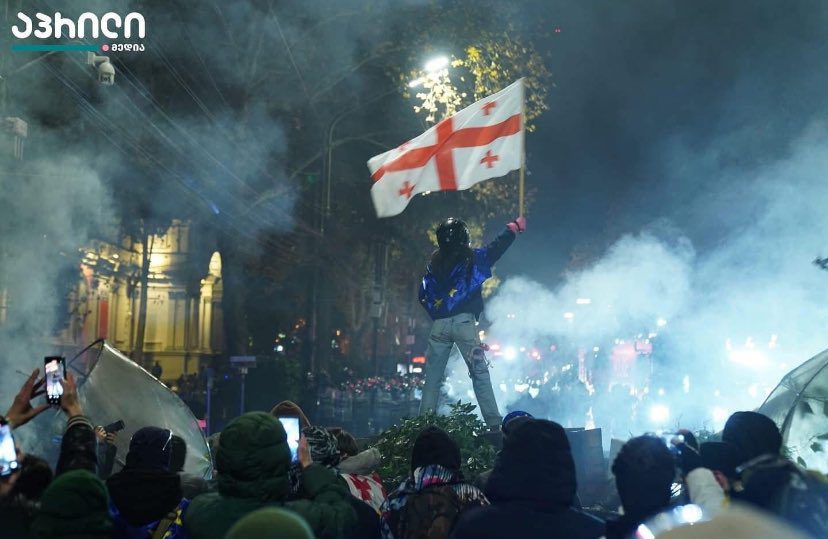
{"points": [[88, 25]]}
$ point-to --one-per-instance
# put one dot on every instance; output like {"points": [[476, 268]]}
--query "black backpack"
{"points": [[790, 492]]}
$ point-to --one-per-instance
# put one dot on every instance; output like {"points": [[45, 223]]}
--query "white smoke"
{"points": [[51, 208], [639, 280], [754, 289]]}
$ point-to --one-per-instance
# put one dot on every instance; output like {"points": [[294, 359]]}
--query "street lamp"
{"points": [[432, 67], [436, 64]]}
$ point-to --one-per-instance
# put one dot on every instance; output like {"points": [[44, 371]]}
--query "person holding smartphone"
{"points": [[19, 413], [77, 451], [253, 459], [78, 445]]}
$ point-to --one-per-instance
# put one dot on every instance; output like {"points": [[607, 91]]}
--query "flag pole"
{"points": [[522, 177]]}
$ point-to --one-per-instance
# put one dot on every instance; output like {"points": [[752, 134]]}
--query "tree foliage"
{"points": [[489, 63], [462, 424]]}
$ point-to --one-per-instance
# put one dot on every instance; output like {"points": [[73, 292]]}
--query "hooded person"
{"points": [[290, 409], [74, 505], [531, 490], [324, 450], [270, 523], [771, 482], [644, 474], [432, 500], [146, 495], [253, 460], [510, 421], [753, 434], [451, 293]]}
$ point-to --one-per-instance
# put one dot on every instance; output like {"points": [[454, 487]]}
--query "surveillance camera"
{"points": [[106, 74]]}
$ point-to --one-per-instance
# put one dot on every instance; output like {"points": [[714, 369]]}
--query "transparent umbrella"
{"points": [[799, 405], [111, 387]]}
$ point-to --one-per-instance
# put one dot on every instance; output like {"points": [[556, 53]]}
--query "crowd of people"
{"points": [[331, 488]]}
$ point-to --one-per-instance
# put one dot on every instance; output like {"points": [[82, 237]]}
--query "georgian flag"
{"points": [[482, 141], [367, 488]]}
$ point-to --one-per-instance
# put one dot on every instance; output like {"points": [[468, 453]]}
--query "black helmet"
{"points": [[453, 234]]}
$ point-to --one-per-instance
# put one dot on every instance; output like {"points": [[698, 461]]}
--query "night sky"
{"points": [[739, 80]]}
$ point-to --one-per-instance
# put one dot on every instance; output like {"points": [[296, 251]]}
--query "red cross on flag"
{"points": [[482, 141]]}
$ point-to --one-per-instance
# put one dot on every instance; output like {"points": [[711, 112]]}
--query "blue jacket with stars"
{"points": [[461, 291]]}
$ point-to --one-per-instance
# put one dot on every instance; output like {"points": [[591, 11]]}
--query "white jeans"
{"points": [[462, 331]]}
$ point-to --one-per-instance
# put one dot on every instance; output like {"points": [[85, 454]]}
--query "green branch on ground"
{"points": [[462, 424]]}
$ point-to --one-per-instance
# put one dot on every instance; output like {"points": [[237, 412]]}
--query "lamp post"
{"points": [[432, 67], [318, 336], [330, 147]]}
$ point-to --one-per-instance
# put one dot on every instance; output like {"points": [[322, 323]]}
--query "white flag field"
{"points": [[482, 141]]}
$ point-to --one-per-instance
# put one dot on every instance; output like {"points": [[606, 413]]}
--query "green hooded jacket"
{"points": [[252, 463]]}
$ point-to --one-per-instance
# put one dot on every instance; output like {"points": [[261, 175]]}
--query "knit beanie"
{"points": [[150, 449], [511, 416], [76, 503], [323, 446], [434, 446], [753, 434], [270, 523]]}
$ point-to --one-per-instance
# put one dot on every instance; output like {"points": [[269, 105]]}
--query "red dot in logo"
{"points": [[104, 47]]}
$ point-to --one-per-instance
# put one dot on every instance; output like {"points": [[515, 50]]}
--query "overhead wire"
{"points": [[146, 120], [142, 91], [146, 94]]}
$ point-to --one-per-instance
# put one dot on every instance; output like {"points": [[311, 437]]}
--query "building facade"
{"points": [[184, 315]]}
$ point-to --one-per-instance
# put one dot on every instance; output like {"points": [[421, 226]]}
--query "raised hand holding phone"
{"points": [[69, 402], [21, 410]]}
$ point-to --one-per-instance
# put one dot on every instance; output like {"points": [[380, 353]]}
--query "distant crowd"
{"points": [[328, 488]]}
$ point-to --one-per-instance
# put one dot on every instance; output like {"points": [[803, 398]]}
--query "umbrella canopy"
{"points": [[111, 387], [799, 406]]}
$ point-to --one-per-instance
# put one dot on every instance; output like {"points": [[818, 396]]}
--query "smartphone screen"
{"points": [[291, 425], [55, 373], [8, 453]]}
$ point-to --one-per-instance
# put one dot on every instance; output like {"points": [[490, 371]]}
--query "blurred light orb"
{"points": [[659, 413], [436, 64]]}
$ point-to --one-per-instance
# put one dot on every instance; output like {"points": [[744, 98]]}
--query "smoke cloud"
{"points": [[726, 323], [49, 212]]}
